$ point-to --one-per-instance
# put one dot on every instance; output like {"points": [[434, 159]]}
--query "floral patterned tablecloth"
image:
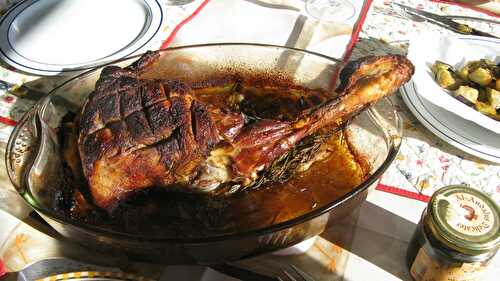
{"points": [[424, 163]]}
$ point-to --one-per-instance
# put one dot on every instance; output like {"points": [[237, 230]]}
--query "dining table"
{"points": [[369, 244]]}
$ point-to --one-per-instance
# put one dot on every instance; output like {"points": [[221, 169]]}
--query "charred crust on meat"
{"points": [[204, 130], [144, 61], [130, 102], [152, 93], [367, 67], [138, 128]]}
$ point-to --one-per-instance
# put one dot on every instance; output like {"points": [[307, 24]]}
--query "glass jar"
{"points": [[457, 236]]}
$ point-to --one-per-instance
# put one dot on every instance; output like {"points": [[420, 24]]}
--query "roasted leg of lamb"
{"points": [[138, 133]]}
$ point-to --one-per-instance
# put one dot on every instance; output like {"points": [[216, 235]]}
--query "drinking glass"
{"points": [[177, 2], [330, 10]]}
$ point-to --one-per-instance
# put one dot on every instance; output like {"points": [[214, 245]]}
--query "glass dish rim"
{"points": [[393, 149]]}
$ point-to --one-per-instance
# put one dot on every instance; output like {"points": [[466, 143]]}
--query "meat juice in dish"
{"points": [[216, 156]]}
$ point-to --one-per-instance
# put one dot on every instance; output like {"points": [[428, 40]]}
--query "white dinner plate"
{"points": [[50, 37], [463, 134], [425, 49]]}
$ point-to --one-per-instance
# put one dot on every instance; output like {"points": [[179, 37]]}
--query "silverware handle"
{"points": [[480, 33]]}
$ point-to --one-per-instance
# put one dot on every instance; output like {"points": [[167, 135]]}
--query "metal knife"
{"points": [[444, 22]]}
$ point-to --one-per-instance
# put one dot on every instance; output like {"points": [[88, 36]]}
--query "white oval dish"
{"points": [[461, 133], [425, 49], [51, 37]]}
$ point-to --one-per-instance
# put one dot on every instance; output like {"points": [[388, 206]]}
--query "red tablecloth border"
{"points": [[402, 192], [170, 38], [3, 270], [7, 121], [358, 26]]}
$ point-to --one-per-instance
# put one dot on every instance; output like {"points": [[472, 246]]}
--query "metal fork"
{"points": [[293, 273]]}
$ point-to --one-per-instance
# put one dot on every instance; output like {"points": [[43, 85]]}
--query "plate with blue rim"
{"points": [[57, 37], [461, 133]]}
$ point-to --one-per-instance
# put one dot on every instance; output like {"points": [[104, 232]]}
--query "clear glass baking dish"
{"points": [[34, 166]]}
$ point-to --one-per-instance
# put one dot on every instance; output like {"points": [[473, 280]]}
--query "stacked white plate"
{"points": [[446, 117], [51, 37]]}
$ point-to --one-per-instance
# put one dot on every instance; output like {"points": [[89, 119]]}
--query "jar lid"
{"points": [[465, 219]]}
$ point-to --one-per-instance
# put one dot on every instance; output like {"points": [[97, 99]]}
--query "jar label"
{"points": [[469, 214], [425, 268]]}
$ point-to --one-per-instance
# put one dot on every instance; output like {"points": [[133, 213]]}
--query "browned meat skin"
{"points": [[140, 133], [158, 139], [136, 134], [363, 82]]}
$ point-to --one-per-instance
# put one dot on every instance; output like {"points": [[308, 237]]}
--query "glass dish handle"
{"points": [[22, 149]]}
